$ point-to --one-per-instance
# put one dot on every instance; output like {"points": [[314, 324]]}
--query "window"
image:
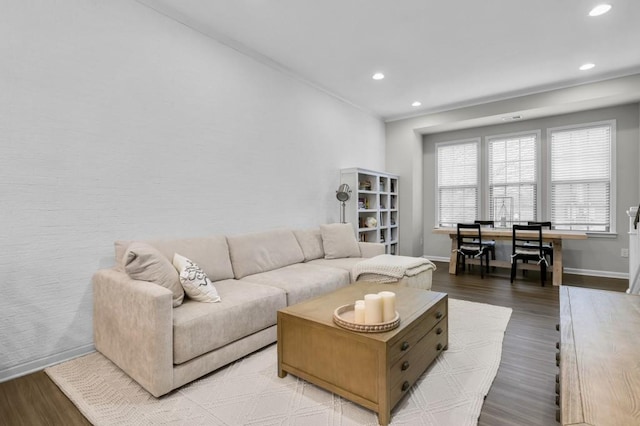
{"points": [[512, 178], [457, 182], [581, 177]]}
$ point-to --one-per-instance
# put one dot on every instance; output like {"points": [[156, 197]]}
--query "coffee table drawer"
{"points": [[417, 331], [407, 370]]}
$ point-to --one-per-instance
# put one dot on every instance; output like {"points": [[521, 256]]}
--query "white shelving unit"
{"points": [[374, 195]]}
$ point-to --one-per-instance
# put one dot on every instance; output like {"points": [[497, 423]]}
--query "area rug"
{"points": [[249, 392]]}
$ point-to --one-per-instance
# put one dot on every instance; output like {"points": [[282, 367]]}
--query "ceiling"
{"points": [[447, 55]]}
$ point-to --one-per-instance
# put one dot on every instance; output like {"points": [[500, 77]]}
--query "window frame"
{"points": [[479, 183], [486, 190], [612, 170]]}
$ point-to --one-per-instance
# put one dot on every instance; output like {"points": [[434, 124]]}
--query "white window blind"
{"points": [[457, 182], [512, 177], [581, 178]]}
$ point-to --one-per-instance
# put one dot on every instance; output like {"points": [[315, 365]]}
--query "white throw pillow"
{"points": [[194, 281], [339, 240]]}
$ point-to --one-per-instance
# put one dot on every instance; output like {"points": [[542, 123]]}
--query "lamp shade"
{"points": [[343, 193]]}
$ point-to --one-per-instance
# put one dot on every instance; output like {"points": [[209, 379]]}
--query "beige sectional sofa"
{"points": [[164, 347]]}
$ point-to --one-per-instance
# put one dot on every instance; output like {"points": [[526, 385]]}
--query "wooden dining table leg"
{"points": [[557, 262], [454, 255]]}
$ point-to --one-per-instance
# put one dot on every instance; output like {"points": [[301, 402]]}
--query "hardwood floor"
{"points": [[523, 392]]}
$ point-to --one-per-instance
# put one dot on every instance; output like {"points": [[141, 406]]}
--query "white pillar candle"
{"points": [[372, 309], [388, 305], [359, 312]]}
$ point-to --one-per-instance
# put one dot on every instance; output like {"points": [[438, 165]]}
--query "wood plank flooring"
{"points": [[523, 392]]}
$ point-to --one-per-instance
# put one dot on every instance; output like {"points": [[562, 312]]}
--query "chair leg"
{"points": [[487, 254], [481, 266], [513, 270], [543, 272], [457, 262]]}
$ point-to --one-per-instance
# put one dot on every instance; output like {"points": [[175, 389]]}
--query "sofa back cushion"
{"points": [[263, 251], [209, 253], [339, 240], [310, 242]]}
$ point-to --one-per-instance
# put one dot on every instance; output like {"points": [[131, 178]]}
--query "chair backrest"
{"points": [[546, 225], [487, 223], [524, 235], [469, 236]]}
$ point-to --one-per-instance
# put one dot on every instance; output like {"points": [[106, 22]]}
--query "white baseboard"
{"points": [[575, 271], [42, 363]]}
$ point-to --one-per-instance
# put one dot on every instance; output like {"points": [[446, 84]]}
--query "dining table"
{"points": [[555, 236]]}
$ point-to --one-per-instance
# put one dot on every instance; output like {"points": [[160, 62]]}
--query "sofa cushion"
{"points": [[346, 263], [310, 241], [302, 280], [244, 309], [263, 251], [339, 240], [145, 263], [210, 253], [194, 281]]}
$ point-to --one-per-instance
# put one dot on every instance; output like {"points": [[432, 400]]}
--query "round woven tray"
{"points": [[344, 317]]}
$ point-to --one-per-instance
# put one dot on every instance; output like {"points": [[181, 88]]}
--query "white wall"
{"points": [[118, 123]]}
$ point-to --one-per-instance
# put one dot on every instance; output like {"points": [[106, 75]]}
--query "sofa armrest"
{"points": [[132, 326], [371, 249]]}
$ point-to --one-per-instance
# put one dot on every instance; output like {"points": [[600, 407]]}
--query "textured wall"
{"points": [[117, 123]]}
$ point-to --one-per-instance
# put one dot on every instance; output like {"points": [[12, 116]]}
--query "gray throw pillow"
{"points": [[145, 263], [339, 240]]}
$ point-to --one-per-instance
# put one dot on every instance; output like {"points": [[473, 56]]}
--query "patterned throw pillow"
{"points": [[194, 281]]}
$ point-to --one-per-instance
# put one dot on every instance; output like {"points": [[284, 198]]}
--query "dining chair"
{"points": [[489, 244], [527, 247], [470, 245], [546, 247]]}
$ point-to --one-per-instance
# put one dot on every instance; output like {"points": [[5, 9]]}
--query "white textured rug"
{"points": [[249, 392]]}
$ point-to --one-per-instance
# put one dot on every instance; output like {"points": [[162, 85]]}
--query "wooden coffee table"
{"points": [[374, 370]]}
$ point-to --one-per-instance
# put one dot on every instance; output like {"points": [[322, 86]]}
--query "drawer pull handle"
{"points": [[405, 365], [405, 386], [557, 388], [557, 327], [557, 345], [438, 315], [557, 378], [558, 400], [557, 356], [439, 331], [439, 346], [405, 346]]}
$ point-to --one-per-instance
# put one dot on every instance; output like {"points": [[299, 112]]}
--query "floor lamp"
{"points": [[343, 194]]}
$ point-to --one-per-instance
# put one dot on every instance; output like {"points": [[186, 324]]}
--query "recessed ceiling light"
{"points": [[416, 104], [600, 9], [585, 67], [378, 76]]}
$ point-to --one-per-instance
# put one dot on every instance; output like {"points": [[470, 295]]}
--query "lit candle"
{"points": [[388, 305], [372, 309], [359, 312]]}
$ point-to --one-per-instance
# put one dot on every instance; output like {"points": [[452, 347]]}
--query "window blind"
{"points": [[581, 178], [457, 182], [512, 176]]}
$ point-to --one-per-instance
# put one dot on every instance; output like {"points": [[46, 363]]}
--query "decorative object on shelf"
{"points": [[343, 194], [365, 185], [371, 222]]}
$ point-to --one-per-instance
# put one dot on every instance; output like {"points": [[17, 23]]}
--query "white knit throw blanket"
{"points": [[388, 266]]}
